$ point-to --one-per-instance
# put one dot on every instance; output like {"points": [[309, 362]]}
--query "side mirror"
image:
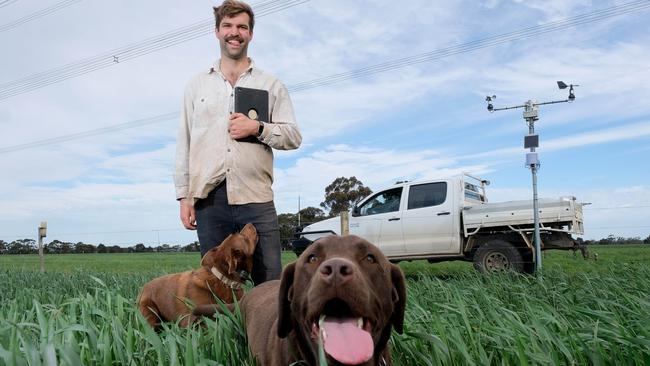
{"points": [[355, 211]]}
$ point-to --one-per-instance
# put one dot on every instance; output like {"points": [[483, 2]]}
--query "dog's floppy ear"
{"points": [[210, 258], [286, 296], [250, 233], [399, 298]]}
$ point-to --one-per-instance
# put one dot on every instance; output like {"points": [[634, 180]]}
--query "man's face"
{"points": [[234, 35]]}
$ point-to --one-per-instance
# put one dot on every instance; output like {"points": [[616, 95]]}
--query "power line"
{"points": [[129, 52], [4, 3], [98, 131], [635, 6], [521, 34], [38, 14]]}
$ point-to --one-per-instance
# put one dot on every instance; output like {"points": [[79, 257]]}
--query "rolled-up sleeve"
{"points": [[181, 172], [282, 133]]}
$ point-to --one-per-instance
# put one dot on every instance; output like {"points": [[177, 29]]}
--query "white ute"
{"points": [[450, 219]]}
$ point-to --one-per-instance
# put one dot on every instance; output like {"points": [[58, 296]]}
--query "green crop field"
{"points": [[81, 311]]}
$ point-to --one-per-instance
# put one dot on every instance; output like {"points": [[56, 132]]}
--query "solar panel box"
{"points": [[531, 141]]}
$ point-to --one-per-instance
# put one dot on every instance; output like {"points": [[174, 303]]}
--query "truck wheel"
{"points": [[498, 256]]}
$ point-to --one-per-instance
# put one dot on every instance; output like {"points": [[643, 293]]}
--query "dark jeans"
{"points": [[216, 219]]}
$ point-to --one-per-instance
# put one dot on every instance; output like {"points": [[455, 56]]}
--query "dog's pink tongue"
{"points": [[346, 342]]}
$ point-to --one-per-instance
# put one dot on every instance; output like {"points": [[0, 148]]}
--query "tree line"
{"points": [[29, 246], [618, 240]]}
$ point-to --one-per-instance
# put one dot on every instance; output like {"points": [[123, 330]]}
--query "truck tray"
{"points": [[562, 211]]}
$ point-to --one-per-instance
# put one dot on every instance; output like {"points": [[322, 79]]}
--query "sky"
{"points": [[80, 150]]}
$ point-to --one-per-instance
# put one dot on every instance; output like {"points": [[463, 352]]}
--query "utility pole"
{"points": [[531, 141]]}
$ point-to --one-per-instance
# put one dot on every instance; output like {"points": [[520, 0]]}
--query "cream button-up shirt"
{"points": [[205, 153]]}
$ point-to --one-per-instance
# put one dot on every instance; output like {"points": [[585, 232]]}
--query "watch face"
{"points": [[252, 114]]}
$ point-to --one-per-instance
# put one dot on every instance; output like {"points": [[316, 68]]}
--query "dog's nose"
{"points": [[336, 270]]}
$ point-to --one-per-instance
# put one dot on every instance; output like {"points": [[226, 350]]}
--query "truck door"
{"points": [[427, 220], [378, 220]]}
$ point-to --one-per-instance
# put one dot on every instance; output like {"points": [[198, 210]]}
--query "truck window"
{"points": [[386, 201], [472, 192], [473, 196], [427, 195]]}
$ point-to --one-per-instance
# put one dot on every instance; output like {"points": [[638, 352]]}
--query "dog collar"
{"points": [[226, 281]]}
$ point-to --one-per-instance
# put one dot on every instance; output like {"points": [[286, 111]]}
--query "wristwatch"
{"points": [[260, 129]]}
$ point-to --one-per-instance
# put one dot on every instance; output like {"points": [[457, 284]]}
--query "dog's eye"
{"points": [[371, 258], [312, 258]]}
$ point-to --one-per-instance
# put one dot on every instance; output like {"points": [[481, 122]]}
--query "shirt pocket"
{"points": [[209, 109]]}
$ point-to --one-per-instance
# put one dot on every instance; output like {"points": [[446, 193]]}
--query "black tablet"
{"points": [[253, 103]]}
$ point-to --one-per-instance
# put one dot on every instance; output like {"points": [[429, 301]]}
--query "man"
{"points": [[223, 183]]}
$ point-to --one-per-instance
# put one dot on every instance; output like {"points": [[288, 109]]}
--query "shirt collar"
{"points": [[216, 67]]}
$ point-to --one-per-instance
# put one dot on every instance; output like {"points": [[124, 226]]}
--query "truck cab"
{"points": [[421, 213]]}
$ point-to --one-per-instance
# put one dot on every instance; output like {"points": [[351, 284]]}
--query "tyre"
{"points": [[498, 256]]}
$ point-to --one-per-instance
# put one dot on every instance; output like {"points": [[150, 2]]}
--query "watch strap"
{"points": [[260, 129]]}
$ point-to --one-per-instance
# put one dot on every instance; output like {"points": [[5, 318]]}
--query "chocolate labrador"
{"points": [[341, 291], [223, 271]]}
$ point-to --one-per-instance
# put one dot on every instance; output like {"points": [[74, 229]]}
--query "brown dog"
{"points": [[223, 271], [342, 290]]}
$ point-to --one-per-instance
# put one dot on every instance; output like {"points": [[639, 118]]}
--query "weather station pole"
{"points": [[531, 141]]}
